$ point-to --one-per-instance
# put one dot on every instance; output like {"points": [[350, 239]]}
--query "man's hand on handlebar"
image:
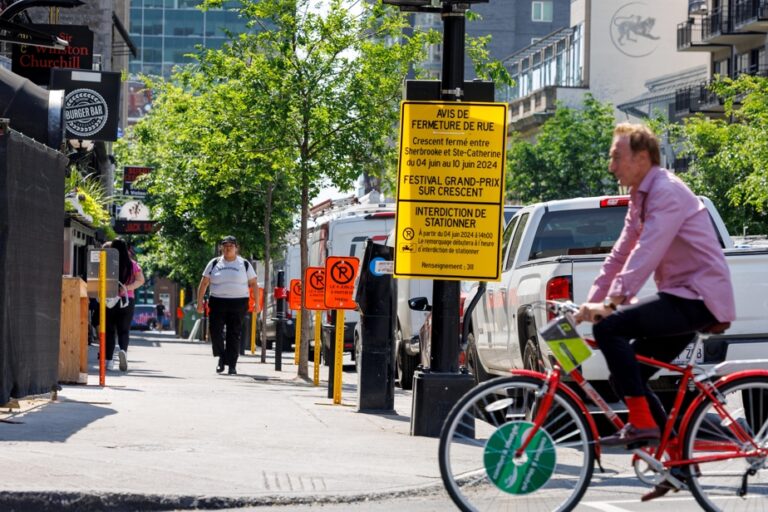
{"points": [[592, 312]]}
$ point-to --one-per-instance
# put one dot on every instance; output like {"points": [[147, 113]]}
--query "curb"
{"points": [[26, 501]]}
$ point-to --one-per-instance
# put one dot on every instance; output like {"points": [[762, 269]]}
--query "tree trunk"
{"points": [[304, 354], [267, 251]]}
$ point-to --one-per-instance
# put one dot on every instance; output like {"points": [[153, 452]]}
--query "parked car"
{"points": [[145, 318], [509, 211], [425, 332], [290, 328]]}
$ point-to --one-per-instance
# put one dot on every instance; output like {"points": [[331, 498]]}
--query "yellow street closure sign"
{"points": [[450, 190]]}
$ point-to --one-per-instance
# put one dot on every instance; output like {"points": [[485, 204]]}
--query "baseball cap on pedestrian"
{"points": [[228, 240]]}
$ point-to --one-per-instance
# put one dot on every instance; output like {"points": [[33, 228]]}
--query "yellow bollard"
{"points": [[297, 343], [102, 318], [180, 321], [318, 344], [253, 331], [338, 356]]}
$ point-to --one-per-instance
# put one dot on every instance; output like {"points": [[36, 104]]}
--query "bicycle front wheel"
{"points": [[483, 431], [735, 483]]}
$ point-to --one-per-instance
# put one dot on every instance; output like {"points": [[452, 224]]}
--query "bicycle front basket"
{"points": [[564, 342]]}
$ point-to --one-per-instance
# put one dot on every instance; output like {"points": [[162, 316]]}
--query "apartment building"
{"points": [[512, 25], [617, 51], [732, 36]]}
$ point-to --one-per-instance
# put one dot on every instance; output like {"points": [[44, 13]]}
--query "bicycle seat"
{"points": [[716, 328]]}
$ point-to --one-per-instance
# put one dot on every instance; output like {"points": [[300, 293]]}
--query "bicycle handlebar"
{"points": [[560, 307]]}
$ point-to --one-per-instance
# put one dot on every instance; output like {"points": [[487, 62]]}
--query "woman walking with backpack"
{"points": [[229, 277], [120, 314]]}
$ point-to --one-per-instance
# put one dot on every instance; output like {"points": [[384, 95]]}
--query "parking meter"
{"points": [[376, 378]]}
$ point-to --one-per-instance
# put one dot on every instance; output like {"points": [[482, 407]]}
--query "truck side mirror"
{"points": [[419, 304]]}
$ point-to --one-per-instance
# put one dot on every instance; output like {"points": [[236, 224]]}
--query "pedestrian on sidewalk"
{"points": [[229, 277], [119, 316], [160, 314]]}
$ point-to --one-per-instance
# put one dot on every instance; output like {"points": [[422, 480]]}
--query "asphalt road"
{"points": [[616, 490]]}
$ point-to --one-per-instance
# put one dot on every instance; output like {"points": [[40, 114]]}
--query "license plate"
{"points": [[694, 353]]}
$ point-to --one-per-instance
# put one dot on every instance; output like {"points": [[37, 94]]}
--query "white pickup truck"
{"points": [[554, 250]]}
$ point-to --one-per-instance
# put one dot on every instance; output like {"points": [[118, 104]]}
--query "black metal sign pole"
{"points": [[445, 294], [436, 391], [280, 308]]}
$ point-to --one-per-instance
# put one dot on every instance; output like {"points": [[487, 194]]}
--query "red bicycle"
{"points": [[528, 442]]}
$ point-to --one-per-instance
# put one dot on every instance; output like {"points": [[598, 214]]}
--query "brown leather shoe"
{"points": [[664, 487], [658, 491], [630, 435]]}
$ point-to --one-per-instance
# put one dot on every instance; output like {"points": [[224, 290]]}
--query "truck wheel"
{"points": [[406, 366], [473, 361], [532, 356]]}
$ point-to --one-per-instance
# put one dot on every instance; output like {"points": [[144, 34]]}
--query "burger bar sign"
{"points": [[91, 102]]}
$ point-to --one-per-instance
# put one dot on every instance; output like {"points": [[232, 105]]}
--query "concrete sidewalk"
{"points": [[172, 434]]}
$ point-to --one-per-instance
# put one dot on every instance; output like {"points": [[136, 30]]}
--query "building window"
{"points": [[541, 11]]}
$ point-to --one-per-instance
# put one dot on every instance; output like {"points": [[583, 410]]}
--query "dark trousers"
{"points": [[661, 326], [227, 313], [119, 327]]}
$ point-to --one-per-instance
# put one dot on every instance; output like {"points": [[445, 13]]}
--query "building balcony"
{"points": [[530, 112], [712, 31], [696, 99], [681, 164], [751, 15]]}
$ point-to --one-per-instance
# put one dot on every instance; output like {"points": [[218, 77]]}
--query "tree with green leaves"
{"points": [[568, 159], [332, 84], [307, 98], [729, 156]]}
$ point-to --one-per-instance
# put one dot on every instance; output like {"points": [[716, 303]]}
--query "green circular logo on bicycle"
{"points": [[524, 474]]}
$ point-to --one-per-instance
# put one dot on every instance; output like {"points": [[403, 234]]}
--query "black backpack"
{"points": [[210, 263]]}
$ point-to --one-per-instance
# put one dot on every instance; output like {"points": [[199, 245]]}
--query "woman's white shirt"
{"points": [[229, 279]]}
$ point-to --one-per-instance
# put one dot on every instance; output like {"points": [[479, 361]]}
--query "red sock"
{"points": [[639, 412]]}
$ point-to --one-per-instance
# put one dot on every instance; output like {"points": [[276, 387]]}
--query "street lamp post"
{"points": [[436, 392]]}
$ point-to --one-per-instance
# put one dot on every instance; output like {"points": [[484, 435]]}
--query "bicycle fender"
{"points": [[528, 373], [572, 394], [720, 382]]}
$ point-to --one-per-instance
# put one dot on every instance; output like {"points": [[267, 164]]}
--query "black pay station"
{"points": [[375, 297]]}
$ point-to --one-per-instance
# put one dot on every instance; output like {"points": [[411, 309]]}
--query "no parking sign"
{"points": [[340, 272]]}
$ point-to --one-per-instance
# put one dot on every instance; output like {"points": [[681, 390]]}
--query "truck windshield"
{"points": [[573, 232]]}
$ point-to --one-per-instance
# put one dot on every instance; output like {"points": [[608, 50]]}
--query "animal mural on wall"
{"points": [[632, 30], [637, 25]]}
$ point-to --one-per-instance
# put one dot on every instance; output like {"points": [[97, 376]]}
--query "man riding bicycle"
{"points": [[667, 231]]}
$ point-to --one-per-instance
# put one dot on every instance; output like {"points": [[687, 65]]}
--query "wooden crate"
{"points": [[73, 348]]}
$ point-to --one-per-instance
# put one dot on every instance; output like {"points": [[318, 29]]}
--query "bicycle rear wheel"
{"points": [[479, 438], [736, 483]]}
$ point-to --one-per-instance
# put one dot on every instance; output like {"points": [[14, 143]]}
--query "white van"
{"points": [[343, 232], [409, 323]]}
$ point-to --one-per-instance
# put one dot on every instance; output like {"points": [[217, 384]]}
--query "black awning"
{"points": [[124, 34], [18, 33]]}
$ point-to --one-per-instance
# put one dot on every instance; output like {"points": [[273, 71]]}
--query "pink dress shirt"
{"points": [[668, 230]]}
